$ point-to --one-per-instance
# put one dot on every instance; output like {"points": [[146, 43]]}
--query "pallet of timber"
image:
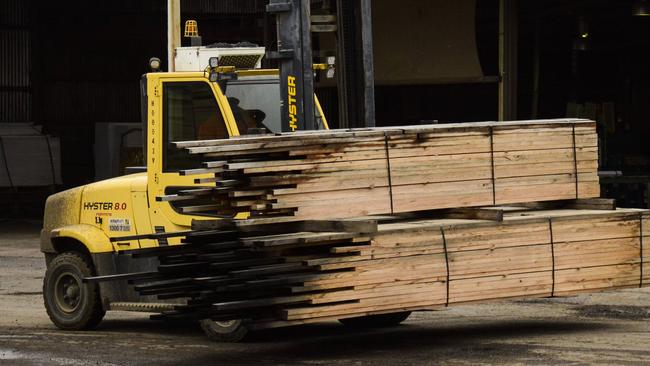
{"points": [[441, 262], [393, 170], [277, 272]]}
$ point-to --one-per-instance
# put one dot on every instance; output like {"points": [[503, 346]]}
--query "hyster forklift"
{"points": [[216, 92]]}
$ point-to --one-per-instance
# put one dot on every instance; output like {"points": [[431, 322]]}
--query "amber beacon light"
{"points": [[191, 28]]}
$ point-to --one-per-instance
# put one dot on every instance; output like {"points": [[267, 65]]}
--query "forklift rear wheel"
{"points": [[70, 303], [377, 321], [225, 330]]}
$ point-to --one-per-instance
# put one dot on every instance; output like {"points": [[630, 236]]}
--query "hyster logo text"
{"points": [[293, 108], [98, 205], [117, 206]]}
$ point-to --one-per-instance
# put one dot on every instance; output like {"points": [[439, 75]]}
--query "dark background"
{"points": [[69, 65]]}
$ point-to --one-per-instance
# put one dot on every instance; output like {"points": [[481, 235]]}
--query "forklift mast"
{"points": [[294, 54]]}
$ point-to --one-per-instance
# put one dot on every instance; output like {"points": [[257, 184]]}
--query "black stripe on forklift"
{"points": [[152, 236], [172, 234]]}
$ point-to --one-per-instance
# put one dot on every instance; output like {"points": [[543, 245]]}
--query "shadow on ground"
{"points": [[332, 343]]}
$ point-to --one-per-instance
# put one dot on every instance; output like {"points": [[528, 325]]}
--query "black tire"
{"points": [[225, 331], [70, 303], [376, 321]]}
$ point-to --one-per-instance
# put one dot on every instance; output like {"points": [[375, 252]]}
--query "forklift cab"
{"points": [[187, 106]]}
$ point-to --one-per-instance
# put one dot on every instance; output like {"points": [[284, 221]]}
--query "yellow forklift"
{"points": [[216, 92]]}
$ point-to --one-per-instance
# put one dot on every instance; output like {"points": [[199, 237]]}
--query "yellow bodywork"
{"points": [[94, 213], [126, 205], [162, 213], [92, 236]]}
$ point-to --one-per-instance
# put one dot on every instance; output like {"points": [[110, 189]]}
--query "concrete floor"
{"points": [[606, 329]]}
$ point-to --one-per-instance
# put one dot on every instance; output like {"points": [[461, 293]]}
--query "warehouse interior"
{"points": [[73, 68]]}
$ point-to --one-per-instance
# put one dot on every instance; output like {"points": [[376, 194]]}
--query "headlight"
{"points": [[154, 64]]}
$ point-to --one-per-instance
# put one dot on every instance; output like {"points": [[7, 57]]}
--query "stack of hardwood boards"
{"points": [[275, 272], [392, 170], [357, 222]]}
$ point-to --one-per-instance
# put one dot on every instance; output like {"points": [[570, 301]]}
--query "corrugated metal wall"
{"points": [[223, 7], [88, 56], [71, 64], [15, 61]]}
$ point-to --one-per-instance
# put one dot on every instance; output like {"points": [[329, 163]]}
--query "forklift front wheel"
{"points": [[70, 303], [224, 331]]}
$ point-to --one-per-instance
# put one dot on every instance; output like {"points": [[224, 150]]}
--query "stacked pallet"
{"points": [[393, 170], [357, 222], [437, 262], [275, 274]]}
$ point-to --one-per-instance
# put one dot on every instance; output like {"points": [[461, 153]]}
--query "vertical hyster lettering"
{"points": [[292, 107]]}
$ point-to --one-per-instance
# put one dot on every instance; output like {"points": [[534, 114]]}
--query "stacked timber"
{"points": [[276, 274], [437, 262], [393, 170], [350, 223], [234, 269]]}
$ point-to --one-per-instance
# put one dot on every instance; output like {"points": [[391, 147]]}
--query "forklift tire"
{"points": [[230, 331], [376, 321], [70, 303]]}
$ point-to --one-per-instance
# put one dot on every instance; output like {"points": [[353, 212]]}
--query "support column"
{"points": [[173, 31], [368, 64], [344, 37], [296, 63], [508, 29], [354, 64]]}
